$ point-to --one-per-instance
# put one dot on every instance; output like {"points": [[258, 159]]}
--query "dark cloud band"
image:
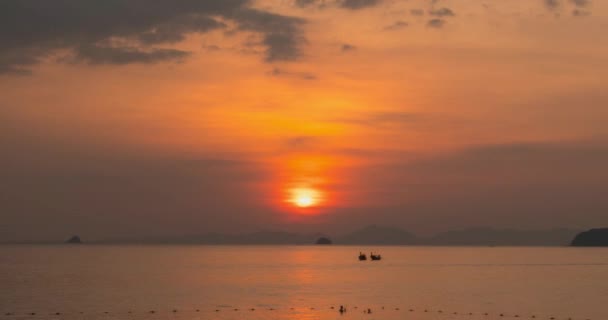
{"points": [[31, 30]]}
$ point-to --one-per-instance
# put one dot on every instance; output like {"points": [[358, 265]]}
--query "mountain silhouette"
{"points": [[591, 238], [379, 236], [503, 237]]}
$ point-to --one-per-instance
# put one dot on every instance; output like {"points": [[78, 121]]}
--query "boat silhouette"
{"points": [[375, 257], [362, 256]]}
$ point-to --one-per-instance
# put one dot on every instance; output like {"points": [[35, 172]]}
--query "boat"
{"points": [[375, 257], [362, 256]]}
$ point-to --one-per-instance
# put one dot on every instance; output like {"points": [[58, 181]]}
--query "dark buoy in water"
{"points": [[369, 311], [174, 310], [342, 309], [252, 309], [152, 311], [197, 310]]}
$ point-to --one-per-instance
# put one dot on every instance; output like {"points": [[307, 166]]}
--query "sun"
{"points": [[304, 201], [305, 197]]}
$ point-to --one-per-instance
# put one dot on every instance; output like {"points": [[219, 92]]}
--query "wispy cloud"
{"points": [[400, 24]]}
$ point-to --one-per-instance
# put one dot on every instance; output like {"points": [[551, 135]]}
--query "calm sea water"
{"points": [[301, 282]]}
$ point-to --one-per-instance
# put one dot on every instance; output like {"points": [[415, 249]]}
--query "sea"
{"points": [[301, 282]]}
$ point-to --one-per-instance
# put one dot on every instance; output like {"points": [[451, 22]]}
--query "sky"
{"points": [[137, 118]]}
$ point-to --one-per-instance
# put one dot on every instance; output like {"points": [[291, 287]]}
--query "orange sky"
{"points": [[377, 108]]}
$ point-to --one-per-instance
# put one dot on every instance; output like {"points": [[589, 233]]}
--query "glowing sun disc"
{"points": [[304, 197]]}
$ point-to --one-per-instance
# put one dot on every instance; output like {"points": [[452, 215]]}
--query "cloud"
{"points": [[380, 118], [579, 10], [442, 12], [552, 4], [81, 187], [276, 72], [96, 31], [544, 184], [580, 13], [400, 24], [417, 12], [348, 47], [302, 143], [545, 163], [93, 54], [581, 3], [435, 23], [282, 35], [17, 62], [358, 4], [305, 3], [212, 47]]}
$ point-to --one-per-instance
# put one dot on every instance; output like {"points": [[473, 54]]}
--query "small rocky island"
{"points": [[591, 238], [323, 240], [74, 240]]}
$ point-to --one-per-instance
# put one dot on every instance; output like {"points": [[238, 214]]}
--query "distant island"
{"points": [[591, 238], [74, 240], [323, 240]]}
